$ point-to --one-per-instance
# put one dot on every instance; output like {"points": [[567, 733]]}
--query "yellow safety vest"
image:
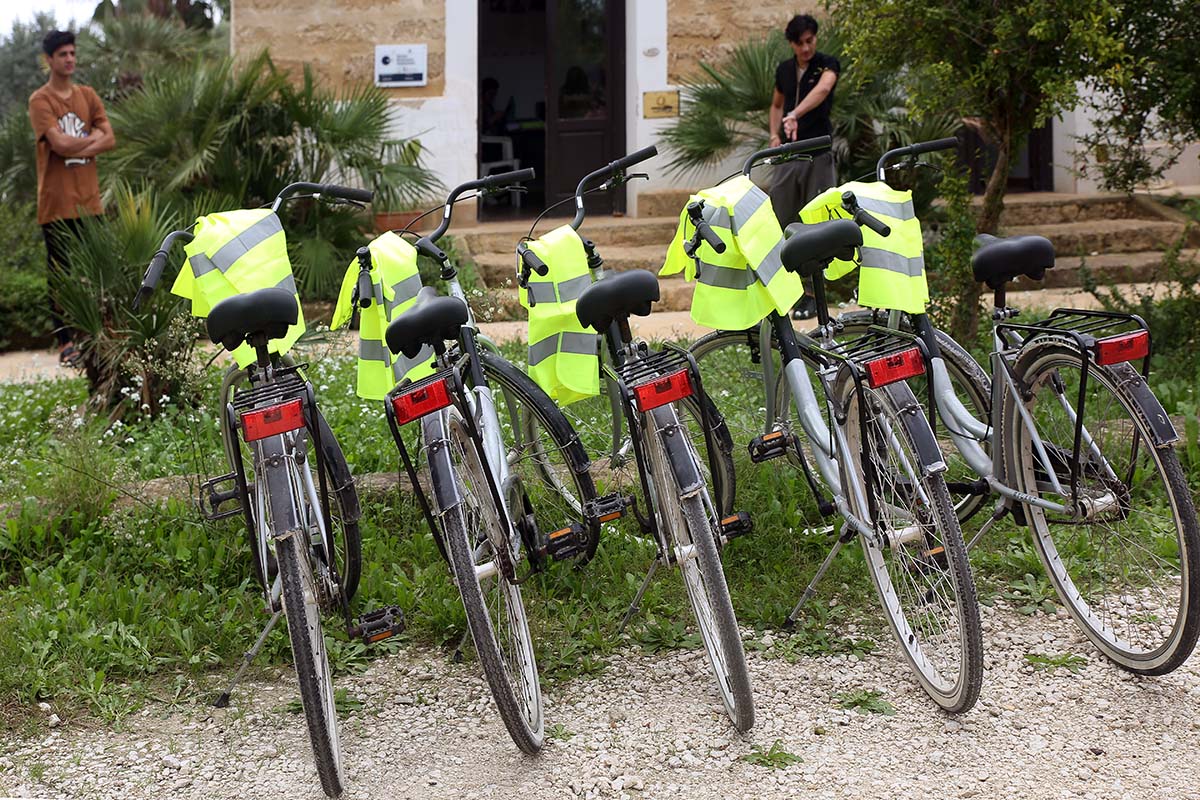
{"points": [[738, 288], [395, 281], [891, 268], [235, 252], [563, 355]]}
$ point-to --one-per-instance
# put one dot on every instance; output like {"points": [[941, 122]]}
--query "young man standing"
{"points": [[800, 110], [71, 129]]}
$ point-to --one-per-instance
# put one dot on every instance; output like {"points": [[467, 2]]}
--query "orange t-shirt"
{"points": [[68, 187]]}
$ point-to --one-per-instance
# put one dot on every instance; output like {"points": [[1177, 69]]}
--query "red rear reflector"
{"points": [[661, 391], [416, 403], [264, 422], [1126, 347], [897, 367]]}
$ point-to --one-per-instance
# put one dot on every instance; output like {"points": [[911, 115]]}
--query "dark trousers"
{"points": [[795, 183], [57, 235]]}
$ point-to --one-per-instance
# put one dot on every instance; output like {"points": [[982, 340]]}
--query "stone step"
{"points": [[1109, 268], [497, 268], [604, 231], [1104, 236], [502, 301]]}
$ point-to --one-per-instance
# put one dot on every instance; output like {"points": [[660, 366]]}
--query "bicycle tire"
{"points": [[943, 645], [545, 479], [302, 611], [689, 526], [971, 384], [446, 437], [1100, 599]]}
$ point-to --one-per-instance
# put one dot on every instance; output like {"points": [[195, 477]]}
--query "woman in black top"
{"points": [[800, 110]]}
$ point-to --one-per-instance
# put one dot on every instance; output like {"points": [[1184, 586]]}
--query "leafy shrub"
{"points": [[24, 310], [953, 291]]}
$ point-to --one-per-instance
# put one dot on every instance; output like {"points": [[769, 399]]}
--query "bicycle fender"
{"points": [[674, 439], [441, 475], [915, 422], [339, 476], [1145, 403]]}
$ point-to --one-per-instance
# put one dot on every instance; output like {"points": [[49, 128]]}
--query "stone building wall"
{"points": [[338, 37], [705, 30]]}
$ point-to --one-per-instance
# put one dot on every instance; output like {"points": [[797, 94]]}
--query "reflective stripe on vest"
{"points": [[232, 253], [395, 282], [563, 355], [738, 288], [891, 268]]}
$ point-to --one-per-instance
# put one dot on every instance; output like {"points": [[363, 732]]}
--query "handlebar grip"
{"points": [[866, 220], [346, 193], [627, 161], [426, 247], [150, 279], [507, 178], [533, 261], [791, 148], [950, 143], [365, 291], [709, 235]]}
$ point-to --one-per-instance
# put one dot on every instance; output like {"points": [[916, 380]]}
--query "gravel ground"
{"points": [[651, 726]]}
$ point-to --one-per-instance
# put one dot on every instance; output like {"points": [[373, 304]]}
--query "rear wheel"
{"points": [[484, 559], [690, 529], [916, 556], [1125, 556]]}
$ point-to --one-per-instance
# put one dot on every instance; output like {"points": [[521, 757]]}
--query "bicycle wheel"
{"points": [[917, 558], [689, 526], [476, 537], [1126, 565], [971, 384], [543, 450], [302, 606]]}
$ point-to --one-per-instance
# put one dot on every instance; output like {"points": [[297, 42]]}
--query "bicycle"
{"points": [[1071, 439], [306, 558], [491, 482], [877, 460], [649, 388]]}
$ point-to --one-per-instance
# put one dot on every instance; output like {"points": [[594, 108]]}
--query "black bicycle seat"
{"points": [[433, 319], [266, 311], [1001, 259], [810, 248], [617, 297]]}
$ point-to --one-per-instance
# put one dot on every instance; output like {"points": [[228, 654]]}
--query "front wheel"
{"points": [[692, 536], [916, 555], [483, 557], [1124, 556]]}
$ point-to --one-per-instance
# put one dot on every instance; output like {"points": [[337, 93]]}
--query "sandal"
{"points": [[70, 356]]}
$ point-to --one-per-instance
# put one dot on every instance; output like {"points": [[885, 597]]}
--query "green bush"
{"points": [[24, 309]]}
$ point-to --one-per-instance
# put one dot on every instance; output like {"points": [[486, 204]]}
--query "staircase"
{"points": [[1120, 240]]}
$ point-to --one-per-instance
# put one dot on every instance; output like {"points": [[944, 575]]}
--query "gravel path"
{"points": [[651, 726]]}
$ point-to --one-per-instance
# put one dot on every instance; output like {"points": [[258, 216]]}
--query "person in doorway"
{"points": [[71, 129], [491, 120], [800, 110]]}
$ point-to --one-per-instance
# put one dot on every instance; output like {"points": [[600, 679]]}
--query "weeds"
{"points": [[1048, 663], [1031, 595], [774, 757], [866, 701]]}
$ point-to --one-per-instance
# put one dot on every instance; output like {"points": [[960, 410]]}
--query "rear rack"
{"points": [[1085, 328], [654, 366], [285, 386]]}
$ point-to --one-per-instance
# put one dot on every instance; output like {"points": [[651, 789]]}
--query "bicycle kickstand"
{"points": [[637, 598], [845, 536], [223, 699]]}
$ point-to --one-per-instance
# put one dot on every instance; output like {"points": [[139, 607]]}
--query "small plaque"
{"points": [[398, 65], [660, 104]]}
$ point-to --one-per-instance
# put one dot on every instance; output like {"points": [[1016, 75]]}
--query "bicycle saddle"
{"points": [[432, 320], [1001, 259], [616, 297], [267, 311], [810, 248]]}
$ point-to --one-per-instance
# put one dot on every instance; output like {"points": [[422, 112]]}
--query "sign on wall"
{"points": [[398, 65], [660, 104]]}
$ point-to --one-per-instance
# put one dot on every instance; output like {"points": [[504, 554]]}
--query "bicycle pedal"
{"points": [[375, 626], [212, 498], [735, 525], [771, 445], [567, 543], [606, 509]]}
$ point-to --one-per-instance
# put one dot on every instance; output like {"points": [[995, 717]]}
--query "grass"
{"points": [[106, 603], [774, 757], [1046, 662], [866, 701]]}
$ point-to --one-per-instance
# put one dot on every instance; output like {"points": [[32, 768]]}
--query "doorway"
{"points": [[1031, 169], [552, 94]]}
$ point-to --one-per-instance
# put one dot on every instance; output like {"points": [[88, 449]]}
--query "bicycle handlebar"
{"points": [[703, 229], [327, 189], [789, 149], [157, 264], [488, 183], [950, 143], [604, 173]]}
